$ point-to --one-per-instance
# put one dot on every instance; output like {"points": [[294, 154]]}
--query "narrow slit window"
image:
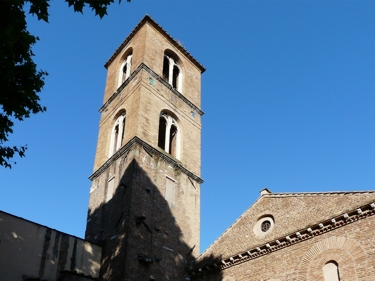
{"points": [[124, 71], [115, 140], [166, 68], [331, 271], [123, 132], [176, 74], [162, 130], [172, 140]]}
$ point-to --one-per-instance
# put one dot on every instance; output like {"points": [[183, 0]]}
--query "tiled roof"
{"points": [[287, 194]]}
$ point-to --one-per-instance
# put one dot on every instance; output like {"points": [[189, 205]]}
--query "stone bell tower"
{"points": [[144, 206]]}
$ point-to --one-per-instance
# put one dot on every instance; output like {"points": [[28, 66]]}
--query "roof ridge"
{"points": [[281, 194], [145, 19], [319, 192], [323, 226]]}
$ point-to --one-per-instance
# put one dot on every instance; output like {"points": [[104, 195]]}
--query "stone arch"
{"points": [[116, 136], [125, 67], [169, 136], [173, 69], [346, 252]]}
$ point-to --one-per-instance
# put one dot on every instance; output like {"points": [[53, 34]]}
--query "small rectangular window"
{"points": [[170, 191], [110, 189]]}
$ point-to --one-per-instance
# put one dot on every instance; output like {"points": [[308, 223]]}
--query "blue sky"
{"points": [[288, 97]]}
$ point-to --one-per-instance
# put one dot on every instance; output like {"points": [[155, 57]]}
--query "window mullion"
{"points": [[167, 135], [111, 146], [171, 65], [120, 130], [129, 63]]}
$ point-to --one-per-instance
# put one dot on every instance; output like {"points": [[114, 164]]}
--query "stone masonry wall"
{"points": [[351, 246], [145, 203], [290, 213], [154, 54], [143, 103], [148, 46], [137, 222]]}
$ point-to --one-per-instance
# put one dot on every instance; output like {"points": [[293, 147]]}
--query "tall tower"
{"points": [[144, 206]]}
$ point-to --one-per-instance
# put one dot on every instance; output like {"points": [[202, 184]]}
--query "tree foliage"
{"points": [[20, 80]]}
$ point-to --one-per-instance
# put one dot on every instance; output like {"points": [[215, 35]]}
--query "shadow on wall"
{"points": [[36, 252], [140, 236]]}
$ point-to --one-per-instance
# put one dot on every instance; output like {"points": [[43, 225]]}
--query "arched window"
{"points": [[169, 135], [125, 69], [171, 71], [331, 271], [117, 134]]}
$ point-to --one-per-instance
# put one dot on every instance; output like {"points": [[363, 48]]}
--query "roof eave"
{"points": [[148, 19]]}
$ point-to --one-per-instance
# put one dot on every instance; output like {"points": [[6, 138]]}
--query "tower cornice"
{"points": [[159, 79], [148, 19], [150, 150]]}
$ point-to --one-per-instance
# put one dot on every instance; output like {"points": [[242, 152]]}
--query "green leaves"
{"points": [[99, 6], [7, 153], [39, 8], [20, 80]]}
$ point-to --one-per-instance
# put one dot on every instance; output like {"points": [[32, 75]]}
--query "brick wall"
{"points": [[139, 220], [351, 246], [290, 213], [144, 233]]}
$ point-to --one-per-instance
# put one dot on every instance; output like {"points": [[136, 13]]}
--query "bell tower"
{"points": [[144, 206]]}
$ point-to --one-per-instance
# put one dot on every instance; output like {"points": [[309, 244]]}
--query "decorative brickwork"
{"points": [[346, 239], [291, 212], [300, 236]]}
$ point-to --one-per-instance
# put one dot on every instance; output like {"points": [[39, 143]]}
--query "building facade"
{"points": [[296, 236], [144, 209], [144, 206]]}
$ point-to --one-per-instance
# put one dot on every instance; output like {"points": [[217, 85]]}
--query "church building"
{"points": [[143, 218], [144, 199]]}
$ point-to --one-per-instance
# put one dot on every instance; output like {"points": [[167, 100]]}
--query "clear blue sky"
{"points": [[288, 97]]}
